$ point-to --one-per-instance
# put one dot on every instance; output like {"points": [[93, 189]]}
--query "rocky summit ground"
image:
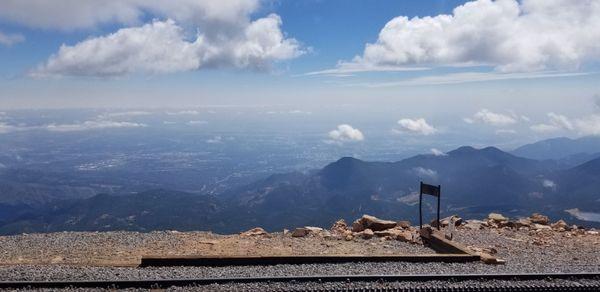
{"points": [[528, 245]]}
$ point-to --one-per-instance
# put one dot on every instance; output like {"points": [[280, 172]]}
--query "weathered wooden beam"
{"points": [[299, 259]]}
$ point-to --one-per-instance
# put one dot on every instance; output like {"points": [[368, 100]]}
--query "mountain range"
{"points": [[474, 182]]}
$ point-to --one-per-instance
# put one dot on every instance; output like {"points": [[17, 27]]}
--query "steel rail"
{"points": [[164, 283]]}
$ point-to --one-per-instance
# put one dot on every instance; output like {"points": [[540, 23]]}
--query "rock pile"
{"points": [[366, 227], [534, 223]]}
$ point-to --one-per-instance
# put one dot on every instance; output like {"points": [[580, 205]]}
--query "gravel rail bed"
{"points": [[75, 273], [470, 285]]}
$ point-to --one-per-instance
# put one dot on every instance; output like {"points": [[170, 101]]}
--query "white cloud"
{"points": [[185, 35], [215, 140], [505, 132], [344, 69], [6, 128], [416, 126], [161, 47], [437, 152], [88, 14], [549, 184], [588, 125], [469, 77], [183, 112], [124, 114], [346, 133], [508, 35], [193, 123], [425, 172], [487, 117], [91, 125], [9, 39]]}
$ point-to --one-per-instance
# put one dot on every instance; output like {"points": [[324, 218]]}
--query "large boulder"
{"points": [[373, 223], [539, 219]]}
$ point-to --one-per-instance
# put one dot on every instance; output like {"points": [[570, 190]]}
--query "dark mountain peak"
{"points": [[344, 163], [487, 151], [493, 151], [462, 150], [345, 172]]}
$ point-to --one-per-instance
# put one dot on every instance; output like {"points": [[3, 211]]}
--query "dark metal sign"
{"points": [[432, 191]]}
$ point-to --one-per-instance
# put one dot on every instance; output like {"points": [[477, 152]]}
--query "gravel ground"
{"points": [[127, 248], [340, 286], [524, 252]]}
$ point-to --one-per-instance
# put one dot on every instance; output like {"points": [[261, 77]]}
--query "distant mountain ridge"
{"points": [[581, 149], [474, 183]]}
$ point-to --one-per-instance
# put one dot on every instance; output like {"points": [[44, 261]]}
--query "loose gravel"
{"points": [[524, 252], [362, 286]]}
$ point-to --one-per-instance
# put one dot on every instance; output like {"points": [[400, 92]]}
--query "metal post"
{"points": [[420, 203], [438, 208]]}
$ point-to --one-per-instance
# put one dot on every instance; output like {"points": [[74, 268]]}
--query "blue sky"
{"points": [[498, 64]]}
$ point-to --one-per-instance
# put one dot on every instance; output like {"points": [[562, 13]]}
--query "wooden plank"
{"points": [[299, 259], [438, 242]]}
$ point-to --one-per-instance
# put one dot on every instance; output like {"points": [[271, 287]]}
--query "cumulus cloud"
{"points": [[425, 172], [587, 125], [437, 152], [215, 140], [346, 133], [508, 35], [9, 39], [416, 126], [91, 125], [549, 184], [88, 14], [162, 47], [491, 118], [185, 35]]}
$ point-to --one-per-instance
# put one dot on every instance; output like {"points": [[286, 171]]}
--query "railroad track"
{"points": [[431, 282]]}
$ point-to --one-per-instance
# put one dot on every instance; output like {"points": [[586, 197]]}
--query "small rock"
{"points": [[560, 224], [405, 236], [497, 217], [473, 224], [300, 232], [537, 226], [392, 233], [539, 219], [357, 226], [366, 234], [403, 224], [257, 231], [339, 227], [523, 222]]}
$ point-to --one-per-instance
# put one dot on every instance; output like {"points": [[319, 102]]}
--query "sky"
{"points": [[528, 67]]}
